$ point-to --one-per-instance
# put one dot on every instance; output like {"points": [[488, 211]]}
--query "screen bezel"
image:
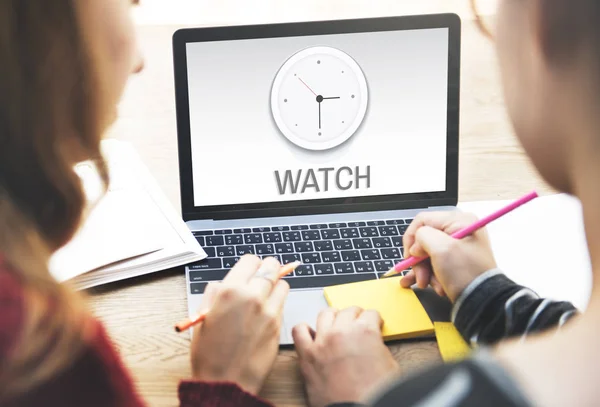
{"points": [[316, 206]]}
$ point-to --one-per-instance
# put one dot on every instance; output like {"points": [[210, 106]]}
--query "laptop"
{"points": [[314, 141]]}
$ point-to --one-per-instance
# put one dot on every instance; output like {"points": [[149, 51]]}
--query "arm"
{"points": [[493, 307], [221, 394]]}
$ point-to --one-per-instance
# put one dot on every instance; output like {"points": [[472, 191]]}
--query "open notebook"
{"points": [[132, 230]]}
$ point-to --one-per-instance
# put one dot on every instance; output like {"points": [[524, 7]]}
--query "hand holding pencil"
{"points": [[450, 249], [239, 338]]}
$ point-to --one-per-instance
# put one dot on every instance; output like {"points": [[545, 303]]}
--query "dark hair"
{"points": [[49, 121]]}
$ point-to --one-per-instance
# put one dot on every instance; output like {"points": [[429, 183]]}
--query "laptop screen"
{"points": [[318, 117]]}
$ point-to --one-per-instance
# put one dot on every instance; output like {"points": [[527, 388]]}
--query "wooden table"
{"points": [[140, 313]]}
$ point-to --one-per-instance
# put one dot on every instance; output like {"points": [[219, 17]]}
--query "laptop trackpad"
{"points": [[301, 307]]}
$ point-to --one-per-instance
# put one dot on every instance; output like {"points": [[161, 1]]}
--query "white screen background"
{"points": [[236, 146]]}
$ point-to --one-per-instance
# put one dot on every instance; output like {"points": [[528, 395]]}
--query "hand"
{"points": [[239, 339], [453, 263], [345, 359]]}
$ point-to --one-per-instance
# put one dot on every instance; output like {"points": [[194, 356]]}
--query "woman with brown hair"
{"points": [[63, 67]]}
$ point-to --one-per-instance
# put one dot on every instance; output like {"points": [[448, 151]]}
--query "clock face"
{"points": [[319, 98]]}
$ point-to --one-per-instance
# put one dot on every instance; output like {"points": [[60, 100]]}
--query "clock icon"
{"points": [[319, 98]]}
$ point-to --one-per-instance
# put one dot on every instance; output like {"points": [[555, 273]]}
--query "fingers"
{"points": [[447, 221], [422, 275], [408, 280], [302, 338], [347, 315], [434, 241], [265, 278], [372, 318], [437, 286], [276, 300], [325, 319], [243, 270], [208, 298]]}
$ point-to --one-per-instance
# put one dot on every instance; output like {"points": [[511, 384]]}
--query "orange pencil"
{"points": [[188, 323]]}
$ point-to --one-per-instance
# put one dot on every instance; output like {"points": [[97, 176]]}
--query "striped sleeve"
{"points": [[494, 307]]}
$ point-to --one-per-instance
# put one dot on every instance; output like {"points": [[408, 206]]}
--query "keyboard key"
{"points": [[331, 257], [364, 267], [244, 249], [284, 248], [402, 228], [321, 269], [337, 225], [206, 264], [311, 235], [234, 239], [326, 281], [345, 244], [343, 268], [388, 231], [265, 249], [362, 243], [243, 230], [302, 247], [304, 270], [323, 245], [198, 288], [408, 221], [375, 223], [261, 230], [200, 240], [229, 262], [397, 241], [224, 251], [300, 227], [203, 233], [349, 233], [395, 222], [223, 232], [215, 241], [383, 265], [311, 258], [290, 258], [371, 254], [319, 226], [369, 232], [273, 237], [253, 238], [393, 254], [356, 224], [208, 275], [210, 251], [382, 242], [330, 234], [350, 255], [291, 236], [280, 228]]}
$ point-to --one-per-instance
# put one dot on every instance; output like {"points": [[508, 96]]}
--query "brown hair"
{"points": [[49, 121]]}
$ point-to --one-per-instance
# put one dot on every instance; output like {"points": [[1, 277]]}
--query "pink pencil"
{"points": [[411, 261]]}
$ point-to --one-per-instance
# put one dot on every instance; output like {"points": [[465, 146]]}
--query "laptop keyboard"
{"points": [[334, 253]]}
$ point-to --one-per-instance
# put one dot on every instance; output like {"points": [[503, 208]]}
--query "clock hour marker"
{"points": [[285, 100], [318, 62], [352, 96], [319, 133]]}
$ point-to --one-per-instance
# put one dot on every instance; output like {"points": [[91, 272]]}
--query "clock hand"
{"points": [[319, 115], [336, 97], [307, 86]]}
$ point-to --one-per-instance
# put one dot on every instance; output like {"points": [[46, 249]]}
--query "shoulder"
{"points": [[11, 309]]}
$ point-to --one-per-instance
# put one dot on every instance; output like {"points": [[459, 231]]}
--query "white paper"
{"points": [[542, 245]]}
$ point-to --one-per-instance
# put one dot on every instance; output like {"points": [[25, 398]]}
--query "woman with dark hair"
{"points": [[63, 67]]}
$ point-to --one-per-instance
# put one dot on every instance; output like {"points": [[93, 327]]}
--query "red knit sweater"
{"points": [[98, 377]]}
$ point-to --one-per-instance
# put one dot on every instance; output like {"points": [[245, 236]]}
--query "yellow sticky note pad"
{"points": [[452, 345], [402, 313]]}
